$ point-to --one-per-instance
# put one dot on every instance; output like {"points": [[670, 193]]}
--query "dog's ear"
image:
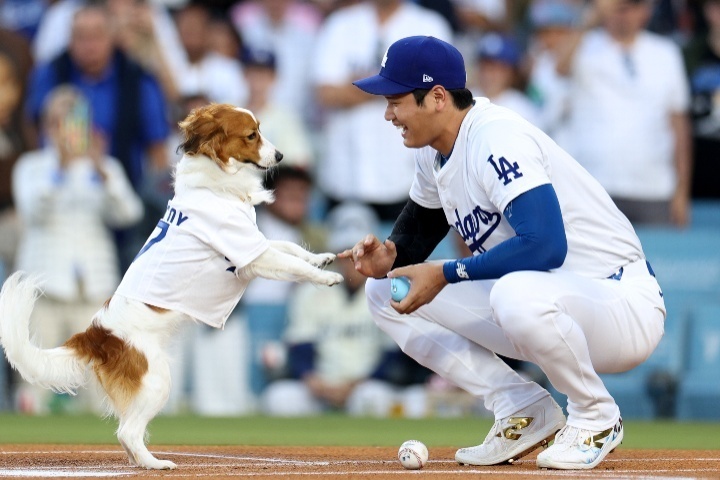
{"points": [[213, 147], [202, 132]]}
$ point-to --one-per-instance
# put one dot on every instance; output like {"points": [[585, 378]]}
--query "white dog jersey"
{"points": [[189, 263]]}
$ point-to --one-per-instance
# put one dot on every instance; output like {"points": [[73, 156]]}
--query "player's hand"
{"points": [[372, 257], [426, 281]]}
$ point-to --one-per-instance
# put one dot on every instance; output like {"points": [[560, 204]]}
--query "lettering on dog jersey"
{"points": [[476, 227], [172, 217]]}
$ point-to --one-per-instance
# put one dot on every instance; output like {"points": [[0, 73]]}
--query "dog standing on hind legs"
{"points": [[194, 267]]}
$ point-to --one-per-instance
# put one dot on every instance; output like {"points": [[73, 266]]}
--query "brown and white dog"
{"points": [[224, 162]]}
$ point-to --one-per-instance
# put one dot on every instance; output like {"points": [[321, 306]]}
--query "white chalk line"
{"points": [[109, 471]]}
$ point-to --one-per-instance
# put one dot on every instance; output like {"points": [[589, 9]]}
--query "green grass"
{"points": [[323, 430]]}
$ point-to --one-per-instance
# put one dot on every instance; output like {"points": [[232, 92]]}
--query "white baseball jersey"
{"points": [[601, 311], [190, 261], [489, 168]]}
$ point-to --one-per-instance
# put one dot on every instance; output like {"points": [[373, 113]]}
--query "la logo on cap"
{"points": [[384, 60], [427, 78]]}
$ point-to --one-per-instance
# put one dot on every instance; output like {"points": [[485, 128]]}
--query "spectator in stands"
{"points": [[499, 58], [476, 18], [223, 38], [333, 346], [552, 23], [128, 106], [628, 122], [216, 76], [287, 28], [16, 137], [68, 195], [702, 59], [355, 148], [145, 32], [18, 47], [280, 123]]}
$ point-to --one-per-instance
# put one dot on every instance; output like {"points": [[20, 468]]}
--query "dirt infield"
{"points": [[314, 463]]}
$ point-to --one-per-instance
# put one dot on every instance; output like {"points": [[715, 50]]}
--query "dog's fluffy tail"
{"points": [[59, 368]]}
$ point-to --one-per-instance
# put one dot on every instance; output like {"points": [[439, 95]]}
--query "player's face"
{"points": [[415, 122]]}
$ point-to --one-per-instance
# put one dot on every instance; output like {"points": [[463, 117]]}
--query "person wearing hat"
{"points": [[499, 60], [553, 23], [557, 278]]}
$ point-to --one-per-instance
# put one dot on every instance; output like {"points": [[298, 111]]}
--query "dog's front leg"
{"points": [[277, 265], [320, 260]]}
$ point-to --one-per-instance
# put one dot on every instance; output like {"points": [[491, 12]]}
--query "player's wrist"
{"points": [[451, 271]]}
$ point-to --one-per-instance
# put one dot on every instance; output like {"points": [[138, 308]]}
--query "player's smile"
{"points": [[403, 111]]}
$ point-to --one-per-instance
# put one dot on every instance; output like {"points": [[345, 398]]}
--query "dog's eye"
{"points": [[252, 136]]}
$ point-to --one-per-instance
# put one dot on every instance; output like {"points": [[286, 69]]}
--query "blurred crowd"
{"points": [[91, 92]]}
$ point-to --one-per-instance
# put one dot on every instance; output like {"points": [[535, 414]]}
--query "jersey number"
{"points": [[163, 226], [505, 169]]}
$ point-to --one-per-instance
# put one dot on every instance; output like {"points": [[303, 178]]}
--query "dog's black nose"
{"points": [[278, 156]]}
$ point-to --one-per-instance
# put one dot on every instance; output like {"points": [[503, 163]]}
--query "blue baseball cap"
{"points": [[414, 63], [554, 13], [501, 48], [258, 58]]}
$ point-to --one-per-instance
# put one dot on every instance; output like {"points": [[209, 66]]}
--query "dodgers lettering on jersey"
{"points": [[497, 157], [476, 227], [190, 261]]}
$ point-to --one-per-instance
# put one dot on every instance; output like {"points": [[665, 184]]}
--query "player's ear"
{"points": [[439, 97]]}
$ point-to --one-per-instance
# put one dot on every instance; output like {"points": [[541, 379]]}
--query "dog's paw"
{"points": [[322, 260], [159, 465], [331, 278]]}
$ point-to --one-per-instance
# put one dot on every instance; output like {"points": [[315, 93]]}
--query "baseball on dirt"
{"points": [[399, 288], [413, 454]]}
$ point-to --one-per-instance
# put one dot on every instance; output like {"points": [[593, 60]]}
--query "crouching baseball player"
{"points": [[558, 276]]}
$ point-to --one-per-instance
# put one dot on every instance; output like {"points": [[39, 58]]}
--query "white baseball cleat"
{"points": [[577, 449], [515, 436]]}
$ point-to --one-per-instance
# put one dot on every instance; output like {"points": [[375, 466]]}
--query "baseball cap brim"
{"points": [[379, 85]]}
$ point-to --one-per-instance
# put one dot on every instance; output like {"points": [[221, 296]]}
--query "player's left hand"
{"points": [[426, 281]]}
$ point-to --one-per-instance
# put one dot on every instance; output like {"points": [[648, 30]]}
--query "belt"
{"points": [[638, 266]]}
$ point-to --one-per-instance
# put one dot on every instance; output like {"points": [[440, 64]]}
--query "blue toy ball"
{"points": [[399, 288]]}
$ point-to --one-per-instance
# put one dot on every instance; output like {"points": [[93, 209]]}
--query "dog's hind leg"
{"points": [[142, 408]]}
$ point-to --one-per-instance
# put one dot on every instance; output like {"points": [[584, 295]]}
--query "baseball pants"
{"points": [[572, 327]]}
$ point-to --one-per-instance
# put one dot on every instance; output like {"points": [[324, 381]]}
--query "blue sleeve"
{"points": [[156, 126], [301, 359], [539, 243]]}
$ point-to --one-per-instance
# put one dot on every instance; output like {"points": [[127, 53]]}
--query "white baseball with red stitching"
{"points": [[413, 454]]}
